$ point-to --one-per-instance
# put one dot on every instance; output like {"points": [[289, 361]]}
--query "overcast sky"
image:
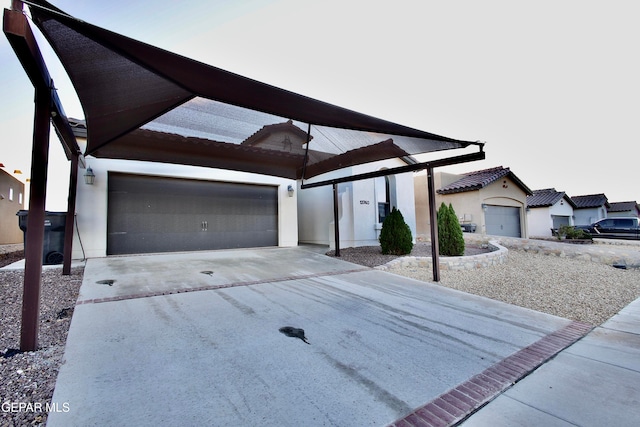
{"points": [[552, 87]]}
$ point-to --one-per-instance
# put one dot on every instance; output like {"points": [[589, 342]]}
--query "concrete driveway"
{"points": [[193, 339]]}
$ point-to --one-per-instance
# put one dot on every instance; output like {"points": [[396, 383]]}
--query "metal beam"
{"points": [[18, 32], [428, 166], [480, 155]]}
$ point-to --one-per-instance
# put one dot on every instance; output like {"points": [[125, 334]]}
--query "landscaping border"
{"points": [[497, 256]]}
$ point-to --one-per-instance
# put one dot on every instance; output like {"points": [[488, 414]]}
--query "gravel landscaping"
{"points": [[29, 378], [571, 288]]}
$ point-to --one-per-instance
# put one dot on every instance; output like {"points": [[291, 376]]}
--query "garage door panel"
{"points": [[503, 221], [156, 214]]}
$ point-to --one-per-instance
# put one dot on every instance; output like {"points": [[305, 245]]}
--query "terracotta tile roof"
{"points": [[623, 206], [480, 179], [590, 201], [267, 130], [547, 197]]}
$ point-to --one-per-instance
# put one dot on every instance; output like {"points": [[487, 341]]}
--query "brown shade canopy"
{"points": [[145, 103]]}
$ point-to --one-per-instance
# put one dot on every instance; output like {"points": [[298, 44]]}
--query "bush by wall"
{"points": [[395, 236], [450, 238]]}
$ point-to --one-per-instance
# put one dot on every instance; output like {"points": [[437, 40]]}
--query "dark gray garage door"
{"points": [[155, 214], [503, 221]]}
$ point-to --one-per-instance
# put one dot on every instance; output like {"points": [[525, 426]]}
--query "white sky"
{"points": [[553, 87]]}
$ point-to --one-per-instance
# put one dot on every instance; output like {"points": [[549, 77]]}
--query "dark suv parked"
{"points": [[614, 228]]}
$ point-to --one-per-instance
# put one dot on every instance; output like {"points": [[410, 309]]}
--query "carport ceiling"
{"points": [[145, 103]]}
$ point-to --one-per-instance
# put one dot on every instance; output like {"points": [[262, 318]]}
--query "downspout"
{"points": [[71, 209]]}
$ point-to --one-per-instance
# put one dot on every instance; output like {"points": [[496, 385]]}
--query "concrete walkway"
{"points": [[595, 382], [193, 339]]}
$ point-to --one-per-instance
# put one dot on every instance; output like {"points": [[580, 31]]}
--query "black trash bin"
{"points": [[54, 226]]}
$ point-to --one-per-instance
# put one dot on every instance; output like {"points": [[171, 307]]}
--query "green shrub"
{"points": [[450, 238], [395, 236], [573, 233]]}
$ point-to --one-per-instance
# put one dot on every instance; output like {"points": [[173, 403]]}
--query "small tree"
{"points": [[450, 238], [395, 236]]}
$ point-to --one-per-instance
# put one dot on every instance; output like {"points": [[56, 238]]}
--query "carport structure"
{"points": [[144, 103]]}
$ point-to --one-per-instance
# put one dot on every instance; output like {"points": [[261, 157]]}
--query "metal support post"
{"points": [[35, 222], [435, 250], [336, 221]]}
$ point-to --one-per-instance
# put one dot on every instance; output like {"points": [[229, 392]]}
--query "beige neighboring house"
{"points": [[11, 201], [494, 200]]}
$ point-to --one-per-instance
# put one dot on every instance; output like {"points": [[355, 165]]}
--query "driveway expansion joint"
{"points": [[218, 286]]}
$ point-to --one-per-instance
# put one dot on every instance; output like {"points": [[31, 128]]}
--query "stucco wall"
{"points": [[357, 207], [562, 208], [11, 201], [588, 216], [540, 222], [91, 201], [421, 195]]}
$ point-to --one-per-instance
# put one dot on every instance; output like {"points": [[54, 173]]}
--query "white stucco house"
{"points": [[185, 156], [548, 210], [362, 206], [135, 207]]}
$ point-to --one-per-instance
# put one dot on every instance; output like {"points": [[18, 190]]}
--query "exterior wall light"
{"points": [[290, 190], [89, 177]]}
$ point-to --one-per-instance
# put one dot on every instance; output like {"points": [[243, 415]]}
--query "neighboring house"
{"points": [[548, 210], [147, 207], [493, 199], [589, 208], [623, 209], [11, 201]]}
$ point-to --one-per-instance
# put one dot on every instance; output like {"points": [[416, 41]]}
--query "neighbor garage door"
{"points": [[156, 214], [503, 221]]}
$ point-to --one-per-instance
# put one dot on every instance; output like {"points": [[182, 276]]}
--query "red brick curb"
{"points": [[460, 402], [212, 287]]}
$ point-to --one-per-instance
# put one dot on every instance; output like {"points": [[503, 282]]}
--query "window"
{"points": [[11, 194], [627, 223], [20, 198], [383, 196]]}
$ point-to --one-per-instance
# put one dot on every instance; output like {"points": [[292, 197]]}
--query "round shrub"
{"points": [[395, 236]]}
